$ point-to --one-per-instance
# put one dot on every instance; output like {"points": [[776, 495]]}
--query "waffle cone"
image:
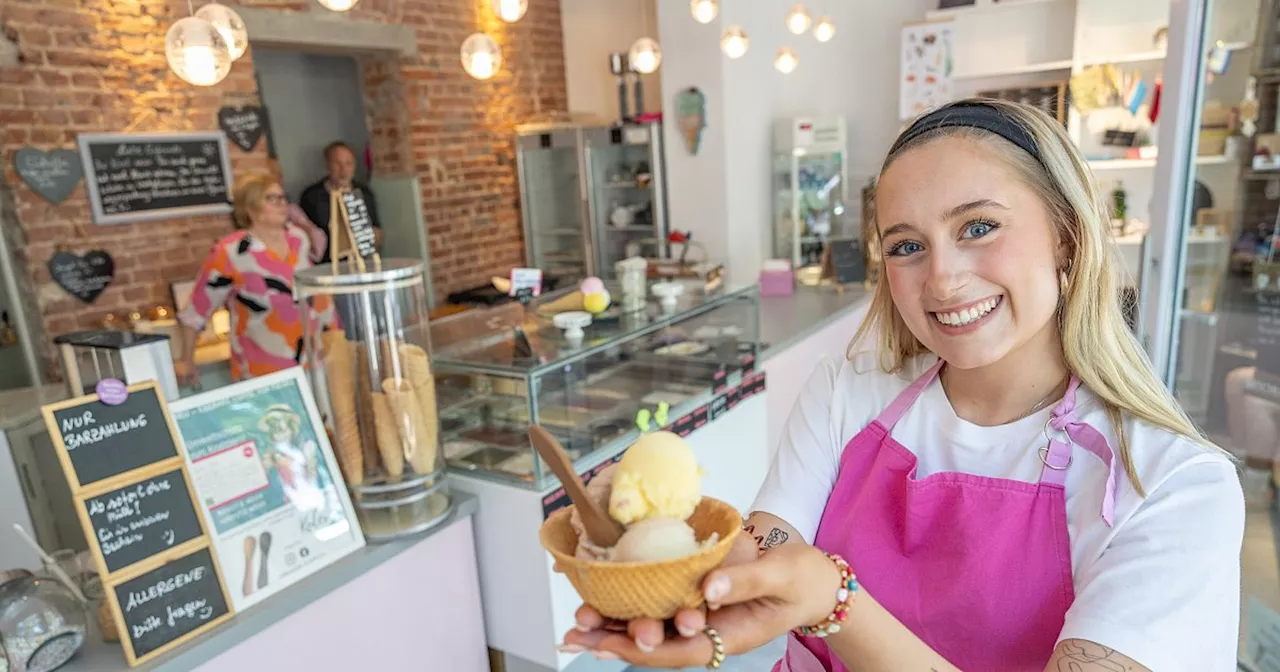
{"points": [[416, 366], [364, 408], [630, 590], [339, 371], [418, 433], [390, 447], [568, 302]]}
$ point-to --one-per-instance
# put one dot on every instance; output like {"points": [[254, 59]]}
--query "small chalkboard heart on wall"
{"points": [[84, 277], [52, 174], [243, 125]]}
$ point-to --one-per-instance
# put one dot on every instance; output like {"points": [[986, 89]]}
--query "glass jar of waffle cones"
{"points": [[370, 370]]}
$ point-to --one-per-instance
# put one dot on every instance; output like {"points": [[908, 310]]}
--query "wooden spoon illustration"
{"points": [[264, 546], [601, 529], [249, 543]]}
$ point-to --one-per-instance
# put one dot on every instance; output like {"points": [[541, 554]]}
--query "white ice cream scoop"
{"points": [[655, 539]]}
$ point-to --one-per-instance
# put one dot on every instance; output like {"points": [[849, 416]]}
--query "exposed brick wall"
{"points": [[99, 66]]}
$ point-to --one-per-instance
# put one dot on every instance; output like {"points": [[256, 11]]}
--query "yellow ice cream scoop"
{"points": [[657, 476]]}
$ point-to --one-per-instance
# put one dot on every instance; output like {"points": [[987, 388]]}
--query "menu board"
{"points": [[132, 177], [361, 223], [171, 603], [846, 263], [1267, 336], [143, 519], [103, 441], [124, 463]]}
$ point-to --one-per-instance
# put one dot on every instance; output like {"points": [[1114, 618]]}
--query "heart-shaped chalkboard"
{"points": [[243, 125], [84, 277], [52, 174]]}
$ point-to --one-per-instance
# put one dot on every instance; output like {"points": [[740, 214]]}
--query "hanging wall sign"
{"points": [[244, 126], [925, 67], [360, 221], [52, 174], [691, 110], [84, 277], [133, 177], [125, 467]]}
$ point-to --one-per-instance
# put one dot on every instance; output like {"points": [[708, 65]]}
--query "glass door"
{"points": [[1211, 297], [552, 194], [625, 183]]}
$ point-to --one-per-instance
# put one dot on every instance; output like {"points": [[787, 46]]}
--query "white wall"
{"points": [[592, 30], [855, 75]]}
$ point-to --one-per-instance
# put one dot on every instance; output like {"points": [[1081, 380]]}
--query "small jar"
{"points": [[42, 625]]}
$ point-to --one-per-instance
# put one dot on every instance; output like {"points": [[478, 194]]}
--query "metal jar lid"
{"points": [[322, 276], [10, 575]]}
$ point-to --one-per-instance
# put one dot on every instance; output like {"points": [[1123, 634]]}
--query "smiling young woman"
{"points": [[1008, 481]]}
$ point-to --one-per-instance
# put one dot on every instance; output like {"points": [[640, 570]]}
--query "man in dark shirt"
{"points": [[341, 162]]}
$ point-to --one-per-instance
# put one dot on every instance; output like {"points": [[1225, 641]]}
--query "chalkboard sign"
{"points": [[143, 519], [171, 603], [133, 177], [1267, 336], [846, 261], [103, 441], [84, 277], [361, 223]]}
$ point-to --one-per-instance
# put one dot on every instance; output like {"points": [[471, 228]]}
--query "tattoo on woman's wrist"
{"points": [[773, 538]]}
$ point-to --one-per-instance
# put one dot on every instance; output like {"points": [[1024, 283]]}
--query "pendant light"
{"points": [[481, 57], [338, 5], [510, 10], [786, 61], [645, 55], [798, 20], [824, 29], [229, 24], [704, 11], [734, 42], [197, 52]]}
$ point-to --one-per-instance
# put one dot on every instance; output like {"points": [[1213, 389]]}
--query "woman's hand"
{"points": [[753, 599], [187, 372]]}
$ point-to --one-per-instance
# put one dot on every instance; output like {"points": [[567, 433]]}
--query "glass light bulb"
{"points": [[645, 55], [197, 52], [481, 57], [798, 19], [734, 42], [510, 10], [338, 5], [786, 61], [824, 30], [229, 24], [704, 11]]}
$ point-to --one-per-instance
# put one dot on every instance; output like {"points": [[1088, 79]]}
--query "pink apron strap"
{"points": [[895, 410], [1056, 456]]}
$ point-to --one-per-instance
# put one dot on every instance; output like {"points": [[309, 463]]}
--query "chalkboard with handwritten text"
{"points": [[170, 602], [143, 519], [133, 177], [104, 441]]}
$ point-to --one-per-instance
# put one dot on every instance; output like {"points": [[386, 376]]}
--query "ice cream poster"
{"points": [[691, 112], [267, 483], [926, 68]]}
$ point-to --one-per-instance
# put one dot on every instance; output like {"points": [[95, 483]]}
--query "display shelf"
{"points": [[1129, 164], [1031, 68], [967, 10], [1149, 56], [630, 229]]}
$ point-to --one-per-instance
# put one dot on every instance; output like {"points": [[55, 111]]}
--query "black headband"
{"points": [[971, 115]]}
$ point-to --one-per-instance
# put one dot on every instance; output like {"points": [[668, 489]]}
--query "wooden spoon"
{"points": [[600, 528]]}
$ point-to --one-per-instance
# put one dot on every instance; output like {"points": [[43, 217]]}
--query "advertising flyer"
{"points": [[267, 483]]}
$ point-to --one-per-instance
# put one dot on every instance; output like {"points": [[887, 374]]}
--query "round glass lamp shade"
{"points": [[481, 57], [197, 52], [824, 29], [510, 10], [734, 42], [786, 61], [229, 24], [645, 55], [338, 5], [704, 11], [798, 19]]}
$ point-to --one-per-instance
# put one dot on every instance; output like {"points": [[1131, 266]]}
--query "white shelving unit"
{"points": [[1129, 164], [985, 6], [1016, 70]]}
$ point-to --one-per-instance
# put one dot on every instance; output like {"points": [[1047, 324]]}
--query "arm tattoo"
{"points": [[774, 537], [1078, 655]]}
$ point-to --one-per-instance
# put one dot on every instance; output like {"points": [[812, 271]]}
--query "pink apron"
{"points": [[977, 567]]}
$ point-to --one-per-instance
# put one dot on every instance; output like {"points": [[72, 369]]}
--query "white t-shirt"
{"points": [[1162, 586]]}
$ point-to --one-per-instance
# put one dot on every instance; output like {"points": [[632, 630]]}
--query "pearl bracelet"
{"points": [[844, 599]]}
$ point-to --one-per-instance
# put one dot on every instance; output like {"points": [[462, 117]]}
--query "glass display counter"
{"points": [[500, 369]]}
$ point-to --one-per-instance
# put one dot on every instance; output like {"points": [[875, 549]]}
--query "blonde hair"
{"points": [[1099, 348], [248, 195]]}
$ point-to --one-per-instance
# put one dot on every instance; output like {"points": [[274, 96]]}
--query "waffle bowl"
{"points": [[630, 590]]}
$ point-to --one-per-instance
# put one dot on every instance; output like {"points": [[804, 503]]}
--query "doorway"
{"points": [[312, 100]]}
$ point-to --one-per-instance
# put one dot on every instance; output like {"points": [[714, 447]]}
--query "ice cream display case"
{"points": [[502, 369], [810, 177]]}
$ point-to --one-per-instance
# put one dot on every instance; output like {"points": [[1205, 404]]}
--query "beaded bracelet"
{"points": [[844, 599]]}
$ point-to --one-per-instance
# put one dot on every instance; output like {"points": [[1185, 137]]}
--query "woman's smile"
{"points": [[967, 317]]}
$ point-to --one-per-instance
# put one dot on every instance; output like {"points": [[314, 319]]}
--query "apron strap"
{"points": [[1056, 456], [895, 410]]}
